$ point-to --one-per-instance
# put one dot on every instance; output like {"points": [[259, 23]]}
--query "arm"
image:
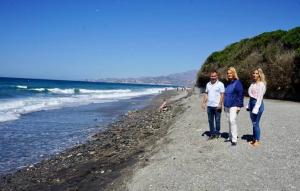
{"points": [[222, 96], [261, 92], [250, 95], [221, 100], [204, 100], [240, 95]]}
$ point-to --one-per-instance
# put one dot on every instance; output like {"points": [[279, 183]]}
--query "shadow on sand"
{"points": [[247, 137], [224, 135]]}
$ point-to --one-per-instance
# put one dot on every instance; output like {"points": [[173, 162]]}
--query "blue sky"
{"points": [[80, 39]]}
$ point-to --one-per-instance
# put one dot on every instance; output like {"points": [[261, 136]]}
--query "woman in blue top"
{"points": [[233, 101]]}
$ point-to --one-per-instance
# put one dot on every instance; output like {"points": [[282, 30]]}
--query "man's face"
{"points": [[213, 77]]}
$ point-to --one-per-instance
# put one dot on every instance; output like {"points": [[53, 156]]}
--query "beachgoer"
{"points": [[213, 98], [255, 106], [164, 106], [233, 101]]}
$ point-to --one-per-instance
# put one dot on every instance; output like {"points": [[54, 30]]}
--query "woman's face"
{"points": [[255, 75], [229, 75]]}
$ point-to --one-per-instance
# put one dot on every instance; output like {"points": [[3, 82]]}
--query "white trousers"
{"points": [[231, 114]]}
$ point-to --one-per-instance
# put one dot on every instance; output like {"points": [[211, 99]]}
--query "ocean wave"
{"points": [[39, 89], [13, 109], [87, 91], [74, 90], [62, 91], [21, 87]]}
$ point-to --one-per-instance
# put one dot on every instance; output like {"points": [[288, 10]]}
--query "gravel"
{"points": [[185, 160]]}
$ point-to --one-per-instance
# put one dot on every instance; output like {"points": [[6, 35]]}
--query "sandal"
{"points": [[255, 143]]}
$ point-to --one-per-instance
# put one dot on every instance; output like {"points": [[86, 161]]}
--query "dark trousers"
{"points": [[214, 117]]}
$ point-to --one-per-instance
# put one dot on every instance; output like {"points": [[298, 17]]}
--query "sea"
{"points": [[41, 118]]}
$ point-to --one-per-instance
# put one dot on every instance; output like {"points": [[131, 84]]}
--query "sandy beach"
{"points": [[108, 95], [148, 150], [185, 160]]}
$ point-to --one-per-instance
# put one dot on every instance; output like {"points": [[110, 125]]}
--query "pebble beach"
{"points": [[149, 150], [185, 160]]}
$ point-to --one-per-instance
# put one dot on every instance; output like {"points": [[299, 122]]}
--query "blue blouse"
{"points": [[234, 94]]}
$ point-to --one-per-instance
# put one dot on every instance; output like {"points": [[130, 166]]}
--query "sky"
{"points": [[92, 39]]}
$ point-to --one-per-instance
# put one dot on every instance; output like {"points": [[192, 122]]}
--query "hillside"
{"points": [[180, 79], [276, 52]]}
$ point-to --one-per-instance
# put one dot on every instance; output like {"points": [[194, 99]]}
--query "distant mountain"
{"points": [[187, 79]]}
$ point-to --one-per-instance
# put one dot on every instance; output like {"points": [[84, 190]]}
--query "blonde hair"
{"points": [[232, 69], [261, 75]]}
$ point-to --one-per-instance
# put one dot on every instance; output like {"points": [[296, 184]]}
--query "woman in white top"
{"points": [[256, 92]]}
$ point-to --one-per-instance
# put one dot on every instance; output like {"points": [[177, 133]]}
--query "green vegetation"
{"points": [[276, 52]]}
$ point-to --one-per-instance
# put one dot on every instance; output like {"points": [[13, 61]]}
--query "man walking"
{"points": [[214, 95]]}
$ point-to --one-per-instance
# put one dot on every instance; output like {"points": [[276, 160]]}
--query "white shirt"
{"points": [[257, 91], [214, 92]]}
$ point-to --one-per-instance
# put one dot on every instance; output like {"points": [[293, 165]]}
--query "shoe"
{"points": [[233, 143], [251, 142], [217, 136], [255, 143], [227, 140], [211, 137]]}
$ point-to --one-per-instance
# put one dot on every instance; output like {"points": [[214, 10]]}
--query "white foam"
{"points": [[7, 116], [21, 87], [126, 95], [13, 109], [61, 91], [38, 89], [85, 91], [74, 90]]}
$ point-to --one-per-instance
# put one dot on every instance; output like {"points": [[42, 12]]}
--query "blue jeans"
{"points": [[214, 117], [255, 118]]}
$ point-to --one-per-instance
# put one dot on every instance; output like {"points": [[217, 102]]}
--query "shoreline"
{"points": [[96, 163], [40, 135]]}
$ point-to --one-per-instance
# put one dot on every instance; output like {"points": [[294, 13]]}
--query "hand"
{"points": [[238, 109]]}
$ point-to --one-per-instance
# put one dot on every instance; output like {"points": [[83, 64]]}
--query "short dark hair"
{"points": [[214, 71]]}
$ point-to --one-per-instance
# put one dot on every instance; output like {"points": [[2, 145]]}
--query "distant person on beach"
{"points": [[213, 98], [255, 106], [233, 101], [164, 106]]}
